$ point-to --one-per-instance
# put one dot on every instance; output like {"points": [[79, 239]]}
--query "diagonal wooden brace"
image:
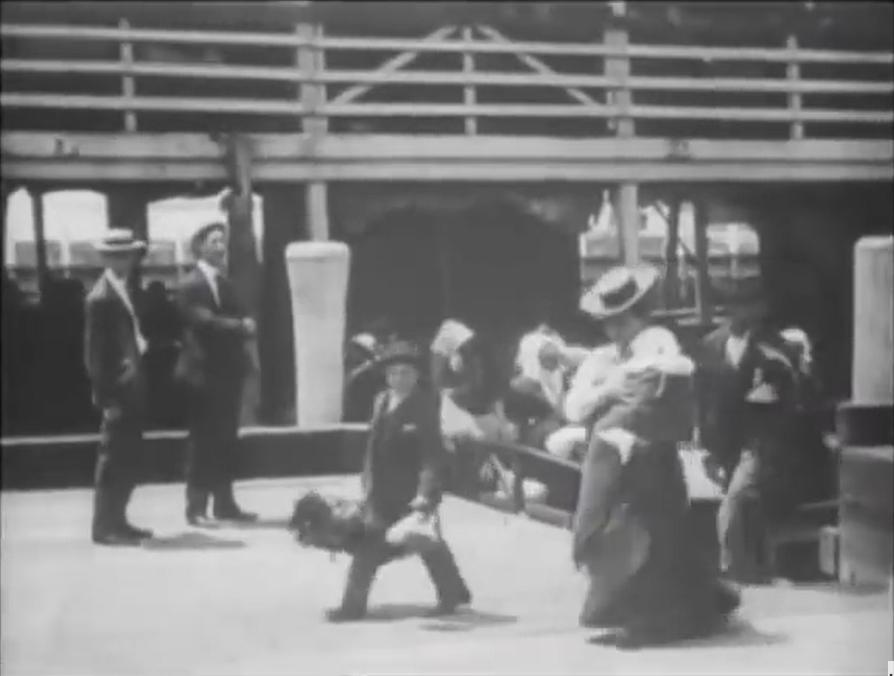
{"points": [[392, 65]]}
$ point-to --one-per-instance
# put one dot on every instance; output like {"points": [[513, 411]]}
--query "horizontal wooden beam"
{"points": [[81, 171], [184, 147], [530, 110], [693, 52]]}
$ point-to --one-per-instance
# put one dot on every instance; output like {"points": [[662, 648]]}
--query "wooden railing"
{"points": [[128, 79]]}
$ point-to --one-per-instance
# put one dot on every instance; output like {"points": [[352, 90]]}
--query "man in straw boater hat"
{"points": [[631, 534], [113, 348], [402, 482], [212, 365]]}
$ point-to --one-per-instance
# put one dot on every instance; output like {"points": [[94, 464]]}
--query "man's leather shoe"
{"points": [[200, 521], [449, 606], [236, 515], [117, 539], [141, 533], [338, 615]]}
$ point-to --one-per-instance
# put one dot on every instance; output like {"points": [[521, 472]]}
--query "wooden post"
{"points": [[244, 266], [313, 95], [627, 210], [671, 262], [40, 243], [703, 300], [469, 96], [793, 74], [127, 208], [128, 88], [627, 200]]}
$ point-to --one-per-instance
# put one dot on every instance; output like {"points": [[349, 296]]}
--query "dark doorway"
{"points": [[490, 265]]}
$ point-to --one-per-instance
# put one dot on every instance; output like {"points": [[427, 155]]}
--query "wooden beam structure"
{"points": [[79, 159]]}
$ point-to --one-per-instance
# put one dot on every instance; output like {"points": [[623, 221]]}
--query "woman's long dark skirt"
{"points": [[676, 593]]}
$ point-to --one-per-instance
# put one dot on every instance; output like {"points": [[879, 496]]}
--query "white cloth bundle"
{"points": [[416, 533]]}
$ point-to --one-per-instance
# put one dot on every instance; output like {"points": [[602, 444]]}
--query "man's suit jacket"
{"points": [[111, 352], [723, 413], [405, 456], [214, 353]]}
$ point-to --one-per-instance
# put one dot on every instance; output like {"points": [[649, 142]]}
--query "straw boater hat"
{"points": [[618, 290], [400, 352], [119, 240]]}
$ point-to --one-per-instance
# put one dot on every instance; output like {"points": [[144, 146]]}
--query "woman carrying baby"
{"points": [[631, 528]]}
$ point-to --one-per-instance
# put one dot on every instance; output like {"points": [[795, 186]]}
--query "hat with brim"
{"points": [[618, 290], [119, 241], [400, 352]]}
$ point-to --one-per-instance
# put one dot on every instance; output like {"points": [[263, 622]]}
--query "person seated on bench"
{"points": [[471, 405], [536, 396]]}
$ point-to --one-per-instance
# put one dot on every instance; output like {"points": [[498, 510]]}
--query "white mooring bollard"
{"points": [[318, 280]]}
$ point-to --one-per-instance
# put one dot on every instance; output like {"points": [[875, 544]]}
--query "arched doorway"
{"points": [[489, 264]]}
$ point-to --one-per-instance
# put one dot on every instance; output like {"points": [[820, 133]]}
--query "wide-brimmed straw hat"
{"points": [[400, 352], [119, 240], [618, 290]]}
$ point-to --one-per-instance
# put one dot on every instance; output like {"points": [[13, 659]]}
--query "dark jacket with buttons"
{"points": [[405, 456]]}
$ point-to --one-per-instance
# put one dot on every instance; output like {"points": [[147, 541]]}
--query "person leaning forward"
{"points": [[212, 366], [402, 473], [113, 347]]}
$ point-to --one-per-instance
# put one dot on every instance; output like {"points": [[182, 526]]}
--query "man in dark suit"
{"points": [[742, 370], [402, 473], [212, 366], [113, 348]]}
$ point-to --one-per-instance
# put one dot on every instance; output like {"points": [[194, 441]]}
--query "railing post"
{"points": [[617, 67], [128, 87], [793, 74], [469, 96], [313, 95]]}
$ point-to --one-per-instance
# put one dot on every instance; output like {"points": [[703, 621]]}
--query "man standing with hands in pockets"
{"points": [[213, 365], [113, 348]]}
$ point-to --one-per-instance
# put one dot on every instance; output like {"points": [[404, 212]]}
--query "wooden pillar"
{"points": [[40, 242], [243, 263], [128, 87], [313, 95], [617, 67], [703, 299], [284, 209], [127, 208], [6, 190], [628, 219], [793, 74], [469, 93], [671, 262]]}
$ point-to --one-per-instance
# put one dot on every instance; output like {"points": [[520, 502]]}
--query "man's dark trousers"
{"points": [[117, 467], [375, 552], [213, 447]]}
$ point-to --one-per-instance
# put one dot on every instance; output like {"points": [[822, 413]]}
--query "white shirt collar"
{"points": [[121, 289], [208, 270], [211, 274]]}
